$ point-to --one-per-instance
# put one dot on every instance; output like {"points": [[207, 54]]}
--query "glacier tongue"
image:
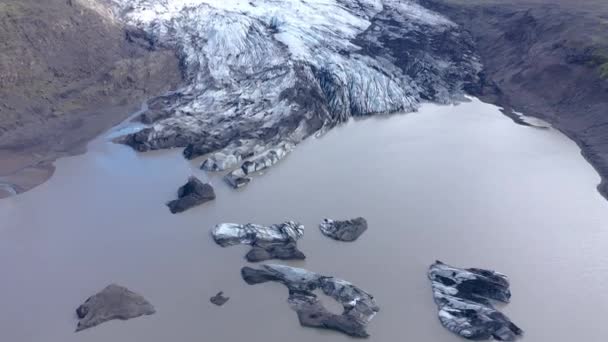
{"points": [[263, 72]]}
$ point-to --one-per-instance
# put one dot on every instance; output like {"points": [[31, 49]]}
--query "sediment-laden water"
{"points": [[462, 184]]}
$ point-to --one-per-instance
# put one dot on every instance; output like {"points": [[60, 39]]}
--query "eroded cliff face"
{"points": [[68, 71], [261, 73], [544, 58]]}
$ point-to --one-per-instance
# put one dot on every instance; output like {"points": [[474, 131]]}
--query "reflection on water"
{"points": [[462, 184]]}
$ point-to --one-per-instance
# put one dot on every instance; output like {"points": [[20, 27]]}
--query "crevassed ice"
{"points": [[261, 72], [223, 41]]}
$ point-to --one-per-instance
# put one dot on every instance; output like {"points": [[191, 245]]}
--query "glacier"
{"points": [[265, 73]]}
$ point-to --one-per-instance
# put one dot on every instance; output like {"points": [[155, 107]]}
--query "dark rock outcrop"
{"points": [[463, 297], [191, 194], [359, 306], [113, 302], [348, 230], [219, 299], [277, 241], [261, 251]]}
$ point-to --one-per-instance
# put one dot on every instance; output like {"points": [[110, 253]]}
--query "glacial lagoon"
{"points": [[462, 184]]}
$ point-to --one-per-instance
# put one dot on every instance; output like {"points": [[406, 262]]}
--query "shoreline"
{"points": [[69, 71], [536, 64], [26, 169], [602, 186], [42, 171]]}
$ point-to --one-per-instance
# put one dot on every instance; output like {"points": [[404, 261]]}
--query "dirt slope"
{"points": [[547, 58], [67, 73]]}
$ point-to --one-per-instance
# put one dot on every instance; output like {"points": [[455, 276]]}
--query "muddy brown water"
{"points": [[458, 183]]}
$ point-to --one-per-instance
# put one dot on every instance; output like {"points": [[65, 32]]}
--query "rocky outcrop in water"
{"points": [[464, 296], [191, 194], [277, 241], [261, 251], [113, 302], [348, 230], [359, 306], [219, 299], [265, 73]]}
